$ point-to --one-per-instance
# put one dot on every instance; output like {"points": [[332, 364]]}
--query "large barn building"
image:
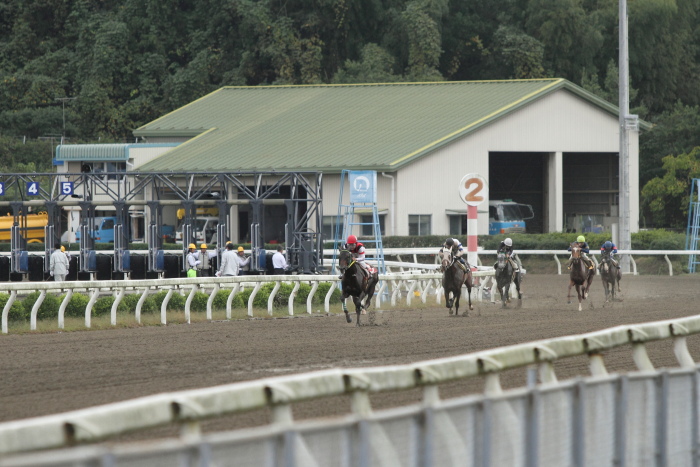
{"points": [[547, 143]]}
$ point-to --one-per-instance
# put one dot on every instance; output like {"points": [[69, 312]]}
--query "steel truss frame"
{"points": [[304, 207]]}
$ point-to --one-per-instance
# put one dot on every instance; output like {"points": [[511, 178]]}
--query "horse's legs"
{"points": [[568, 295], [517, 288], [579, 292], [343, 297], [358, 308]]}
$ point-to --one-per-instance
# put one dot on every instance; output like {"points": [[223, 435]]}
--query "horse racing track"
{"points": [[57, 372]]}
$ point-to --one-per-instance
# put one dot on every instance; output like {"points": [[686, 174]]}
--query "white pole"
{"points": [[625, 240]]}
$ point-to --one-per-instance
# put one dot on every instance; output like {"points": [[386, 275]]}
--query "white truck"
{"points": [[204, 225]]}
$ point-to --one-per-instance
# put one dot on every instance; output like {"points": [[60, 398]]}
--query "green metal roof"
{"points": [[333, 127], [92, 152]]}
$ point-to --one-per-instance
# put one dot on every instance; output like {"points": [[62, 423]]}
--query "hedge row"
{"points": [[644, 240], [21, 309]]}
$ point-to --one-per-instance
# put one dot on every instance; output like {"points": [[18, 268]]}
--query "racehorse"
{"points": [[452, 280], [355, 284], [505, 276], [610, 275], [580, 275]]}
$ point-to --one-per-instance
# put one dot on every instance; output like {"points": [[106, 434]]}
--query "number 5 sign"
{"points": [[473, 189]]}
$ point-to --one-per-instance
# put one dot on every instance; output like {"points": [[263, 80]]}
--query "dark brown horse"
{"points": [[452, 280], [505, 276], [610, 275], [580, 276], [356, 284]]}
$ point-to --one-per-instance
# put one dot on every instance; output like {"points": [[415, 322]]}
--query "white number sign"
{"points": [[473, 189], [2, 188], [66, 188], [32, 188]]}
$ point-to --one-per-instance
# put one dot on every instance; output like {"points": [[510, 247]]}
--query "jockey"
{"points": [[358, 252], [581, 241], [456, 247], [506, 247], [610, 248]]}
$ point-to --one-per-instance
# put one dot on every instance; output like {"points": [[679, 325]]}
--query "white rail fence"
{"points": [[413, 253], [647, 417], [392, 288]]}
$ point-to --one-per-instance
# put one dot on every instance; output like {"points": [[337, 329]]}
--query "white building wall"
{"points": [[560, 122], [143, 154]]}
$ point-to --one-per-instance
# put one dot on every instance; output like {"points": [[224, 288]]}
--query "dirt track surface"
{"points": [[50, 373]]}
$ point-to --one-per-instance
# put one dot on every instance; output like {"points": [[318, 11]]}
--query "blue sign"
{"points": [[363, 186], [32, 188], [66, 188]]}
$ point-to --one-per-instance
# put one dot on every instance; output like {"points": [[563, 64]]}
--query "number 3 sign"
{"points": [[473, 189]]}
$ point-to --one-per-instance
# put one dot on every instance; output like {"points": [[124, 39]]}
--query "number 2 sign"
{"points": [[473, 189]]}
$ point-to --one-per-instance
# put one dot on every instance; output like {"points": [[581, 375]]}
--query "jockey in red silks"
{"points": [[358, 252]]}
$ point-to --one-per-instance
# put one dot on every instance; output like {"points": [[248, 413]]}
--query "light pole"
{"points": [[63, 104]]}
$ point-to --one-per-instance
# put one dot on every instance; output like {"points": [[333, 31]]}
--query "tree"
{"points": [[676, 131], [523, 55], [665, 199], [376, 66]]}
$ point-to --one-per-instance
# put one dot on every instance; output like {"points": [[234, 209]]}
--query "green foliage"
{"points": [[676, 131], [17, 311], [103, 306], [199, 301], [665, 199], [131, 300], [176, 302], [77, 305], [48, 308], [128, 62]]}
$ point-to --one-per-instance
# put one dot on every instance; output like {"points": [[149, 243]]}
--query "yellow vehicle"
{"points": [[32, 227], [201, 212]]}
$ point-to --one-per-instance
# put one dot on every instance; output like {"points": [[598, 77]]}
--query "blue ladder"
{"points": [[347, 222], [693, 232]]}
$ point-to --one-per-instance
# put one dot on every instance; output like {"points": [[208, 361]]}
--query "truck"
{"points": [[104, 230], [204, 225], [506, 216], [34, 223]]}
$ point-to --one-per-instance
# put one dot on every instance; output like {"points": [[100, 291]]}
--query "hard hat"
{"points": [[192, 245], [229, 241], [204, 245], [63, 248], [240, 248], [352, 239], [581, 239], [508, 242]]}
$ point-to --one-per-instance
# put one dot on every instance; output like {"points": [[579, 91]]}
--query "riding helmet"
{"points": [[607, 245], [581, 239], [352, 239], [449, 242], [508, 242]]}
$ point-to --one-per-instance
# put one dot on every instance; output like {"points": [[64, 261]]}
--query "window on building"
{"points": [[367, 229], [328, 228], [458, 224], [419, 224]]}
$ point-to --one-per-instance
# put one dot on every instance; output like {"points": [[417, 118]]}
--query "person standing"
{"points": [[192, 261], [279, 262], [58, 264], [243, 262], [229, 262], [204, 266]]}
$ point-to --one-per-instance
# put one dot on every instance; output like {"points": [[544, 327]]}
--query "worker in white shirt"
{"points": [[279, 262]]}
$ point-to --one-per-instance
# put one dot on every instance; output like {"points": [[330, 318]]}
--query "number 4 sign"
{"points": [[473, 189], [32, 188]]}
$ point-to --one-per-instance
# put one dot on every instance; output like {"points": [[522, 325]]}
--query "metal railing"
{"points": [[392, 287]]}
